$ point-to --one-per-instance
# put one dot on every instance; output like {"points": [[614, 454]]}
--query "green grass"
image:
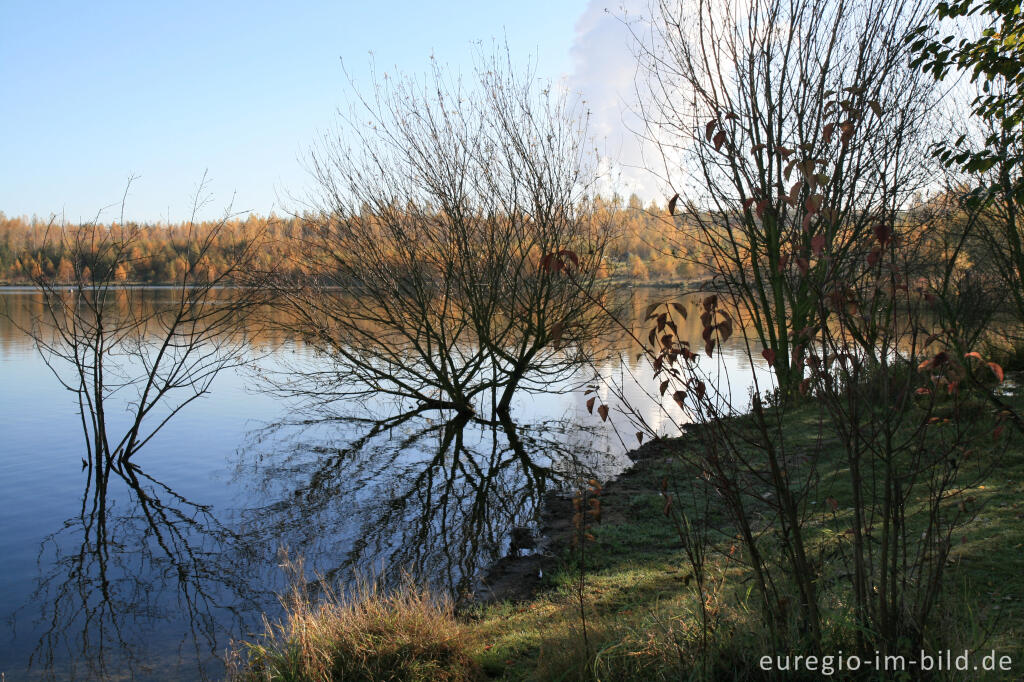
{"points": [[641, 600]]}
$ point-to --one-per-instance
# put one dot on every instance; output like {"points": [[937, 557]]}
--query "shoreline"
{"points": [[521, 578], [632, 613], [691, 285]]}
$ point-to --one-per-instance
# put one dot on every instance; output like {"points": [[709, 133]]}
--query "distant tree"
{"points": [[638, 269], [65, 271]]}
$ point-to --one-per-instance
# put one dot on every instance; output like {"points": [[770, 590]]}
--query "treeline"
{"points": [[159, 253], [646, 246]]}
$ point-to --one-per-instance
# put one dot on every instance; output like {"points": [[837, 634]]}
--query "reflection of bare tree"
{"points": [[140, 560], [144, 563], [436, 499]]}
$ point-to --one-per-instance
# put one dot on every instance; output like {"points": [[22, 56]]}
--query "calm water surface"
{"points": [[148, 574]]}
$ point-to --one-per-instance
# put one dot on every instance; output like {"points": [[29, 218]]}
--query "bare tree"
{"points": [[791, 129], [133, 357], [453, 250]]}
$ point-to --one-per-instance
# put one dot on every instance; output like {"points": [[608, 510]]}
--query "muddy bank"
{"points": [[521, 575]]}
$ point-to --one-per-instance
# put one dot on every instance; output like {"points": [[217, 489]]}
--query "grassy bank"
{"points": [[642, 603]]}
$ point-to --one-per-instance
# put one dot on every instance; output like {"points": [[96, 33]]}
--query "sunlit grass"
{"points": [[406, 634]]}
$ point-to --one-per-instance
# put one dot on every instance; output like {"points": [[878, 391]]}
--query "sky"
{"points": [[92, 94]]}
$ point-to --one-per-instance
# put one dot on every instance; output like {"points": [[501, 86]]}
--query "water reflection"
{"points": [[141, 581], [148, 583], [436, 499], [157, 561]]}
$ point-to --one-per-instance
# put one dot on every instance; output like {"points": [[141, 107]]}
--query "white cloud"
{"points": [[604, 76]]}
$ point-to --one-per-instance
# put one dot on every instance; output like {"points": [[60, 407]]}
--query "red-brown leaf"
{"points": [[847, 129], [679, 397], [788, 170], [783, 262], [794, 192], [719, 139], [761, 206], [873, 256], [603, 411], [818, 244], [590, 405], [813, 203], [680, 309], [997, 370], [672, 204], [570, 255], [725, 330], [769, 355]]}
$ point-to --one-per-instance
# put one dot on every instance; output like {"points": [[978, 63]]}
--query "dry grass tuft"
{"points": [[407, 634]]}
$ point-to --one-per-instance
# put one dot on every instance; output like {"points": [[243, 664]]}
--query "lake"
{"points": [[149, 573]]}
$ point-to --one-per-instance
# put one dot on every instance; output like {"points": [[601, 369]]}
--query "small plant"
{"points": [[586, 510], [690, 522]]}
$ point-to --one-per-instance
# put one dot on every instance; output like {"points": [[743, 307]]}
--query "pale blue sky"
{"points": [[91, 93]]}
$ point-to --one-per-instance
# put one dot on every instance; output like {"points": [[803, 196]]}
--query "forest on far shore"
{"points": [[643, 245]]}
